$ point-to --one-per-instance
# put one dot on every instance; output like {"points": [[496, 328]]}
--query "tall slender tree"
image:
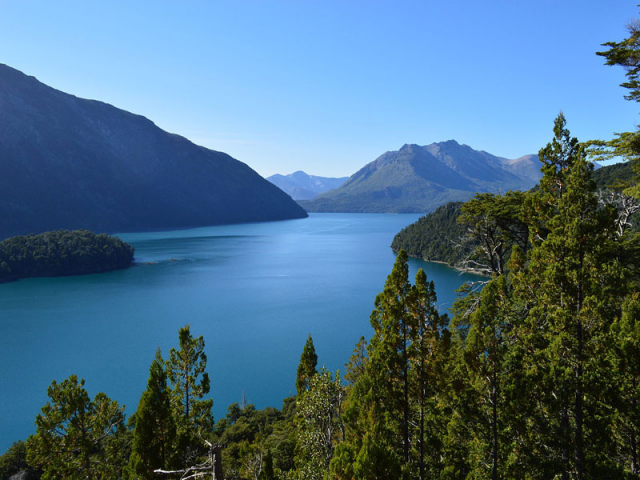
{"points": [[186, 370], [307, 366], [394, 411], [572, 286], [427, 356], [388, 350], [154, 436], [486, 351]]}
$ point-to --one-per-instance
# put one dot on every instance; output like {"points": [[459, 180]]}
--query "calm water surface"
{"points": [[254, 291]]}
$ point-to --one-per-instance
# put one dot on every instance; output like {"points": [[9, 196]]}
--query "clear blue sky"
{"points": [[326, 86]]}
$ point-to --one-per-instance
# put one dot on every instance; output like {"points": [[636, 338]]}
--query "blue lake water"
{"points": [[254, 291]]}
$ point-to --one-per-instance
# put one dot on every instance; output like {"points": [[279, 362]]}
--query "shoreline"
{"points": [[461, 270]]}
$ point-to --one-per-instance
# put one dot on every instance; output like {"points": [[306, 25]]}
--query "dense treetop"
{"points": [[61, 252]]}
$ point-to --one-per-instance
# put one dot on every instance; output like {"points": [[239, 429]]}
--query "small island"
{"points": [[61, 253]]}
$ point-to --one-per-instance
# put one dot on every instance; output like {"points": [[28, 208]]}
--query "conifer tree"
{"points": [[626, 363], [307, 366], [388, 351], [428, 354], [76, 437], [154, 436], [571, 288], [486, 351], [394, 414], [189, 384], [357, 363]]}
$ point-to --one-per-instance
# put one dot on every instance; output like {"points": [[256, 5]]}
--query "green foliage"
{"points": [[394, 410], [76, 437], [257, 443], [189, 384], [14, 461], [435, 236], [627, 54], [443, 236], [154, 442], [62, 253], [318, 425], [626, 366], [357, 364], [493, 223], [486, 355], [626, 144], [572, 286], [307, 366]]}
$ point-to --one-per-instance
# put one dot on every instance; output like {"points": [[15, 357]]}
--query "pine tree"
{"points": [[154, 436], [486, 351], [394, 411], [626, 363], [428, 354], [189, 384], [76, 437], [307, 366], [571, 287], [388, 351]]}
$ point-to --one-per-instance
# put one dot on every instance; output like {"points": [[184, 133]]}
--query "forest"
{"points": [[534, 375], [444, 235], [61, 252]]}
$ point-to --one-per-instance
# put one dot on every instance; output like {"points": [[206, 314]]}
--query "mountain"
{"points": [[301, 186], [70, 163], [420, 178]]}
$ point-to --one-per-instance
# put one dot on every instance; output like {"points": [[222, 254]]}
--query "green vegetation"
{"points": [[453, 234], [62, 252], [14, 461], [76, 437], [613, 175], [306, 367], [435, 236], [535, 376]]}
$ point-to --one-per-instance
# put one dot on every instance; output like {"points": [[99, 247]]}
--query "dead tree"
{"points": [[625, 206], [211, 468]]}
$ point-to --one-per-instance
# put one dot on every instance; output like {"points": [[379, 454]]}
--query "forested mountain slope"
{"points": [[72, 163]]}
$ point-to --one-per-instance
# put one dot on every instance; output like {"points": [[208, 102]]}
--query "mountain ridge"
{"points": [[418, 179], [72, 163]]}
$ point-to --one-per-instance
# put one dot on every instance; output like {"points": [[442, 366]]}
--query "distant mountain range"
{"points": [[71, 163], [301, 186], [419, 179]]}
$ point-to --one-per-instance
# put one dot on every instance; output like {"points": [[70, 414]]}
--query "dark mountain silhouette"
{"points": [[71, 163]]}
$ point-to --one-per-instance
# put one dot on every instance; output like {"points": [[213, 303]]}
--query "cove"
{"points": [[254, 291]]}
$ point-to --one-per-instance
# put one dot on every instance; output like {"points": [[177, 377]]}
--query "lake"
{"points": [[254, 291]]}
